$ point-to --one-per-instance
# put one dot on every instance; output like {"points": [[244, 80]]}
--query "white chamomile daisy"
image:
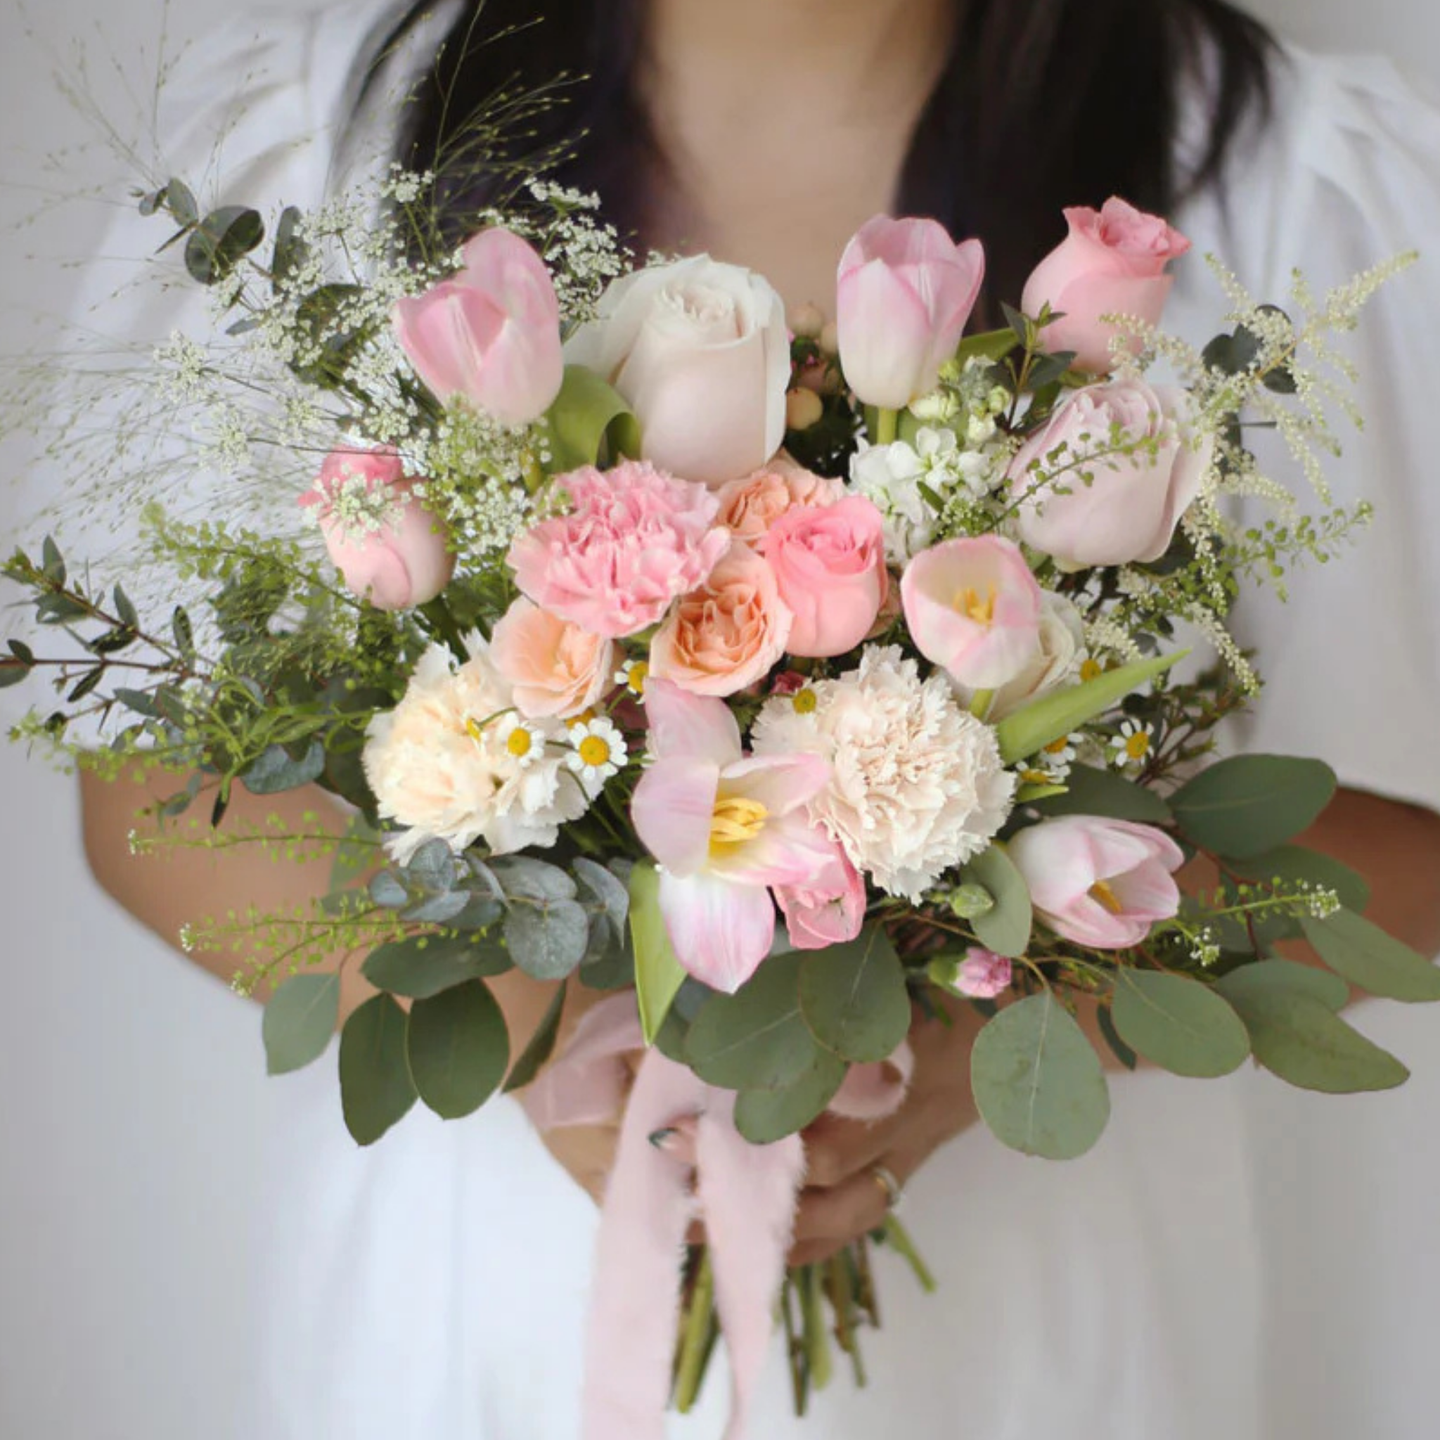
{"points": [[1059, 755], [633, 675], [599, 752], [524, 742], [1132, 746]]}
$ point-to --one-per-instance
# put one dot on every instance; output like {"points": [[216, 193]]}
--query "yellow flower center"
{"points": [[1091, 670], [583, 718], [474, 729], [594, 751], [1058, 747], [805, 701], [979, 608], [736, 820], [637, 675], [1037, 777], [1102, 892], [520, 742], [1137, 746]]}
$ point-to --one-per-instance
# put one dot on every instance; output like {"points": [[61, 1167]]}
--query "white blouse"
{"points": [[1182, 1281]]}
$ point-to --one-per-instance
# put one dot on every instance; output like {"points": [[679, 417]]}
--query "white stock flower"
{"points": [[1055, 663], [917, 783], [453, 762]]}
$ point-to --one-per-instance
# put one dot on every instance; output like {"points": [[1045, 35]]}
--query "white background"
{"points": [[133, 1106]]}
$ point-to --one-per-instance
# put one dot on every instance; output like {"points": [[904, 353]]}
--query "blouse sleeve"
{"points": [[1348, 175]]}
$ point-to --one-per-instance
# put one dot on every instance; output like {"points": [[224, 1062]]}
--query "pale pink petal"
{"points": [[781, 783], [691, 725], [721, 931], [672, 810]]}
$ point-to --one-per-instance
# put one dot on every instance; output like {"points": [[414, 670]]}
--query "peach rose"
{"points": [[752, 504], [726, 635], [554, 667]]}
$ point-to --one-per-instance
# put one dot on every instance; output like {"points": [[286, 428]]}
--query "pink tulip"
{"points": [[974, 609], [491, 333], [725, 827], [905, 293], [828, 910], [830, 565], [1101, 883], [387, 546], [1112, 263]]}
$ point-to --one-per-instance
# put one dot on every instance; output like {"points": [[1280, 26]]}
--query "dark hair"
{"points": [[1043, 104]]}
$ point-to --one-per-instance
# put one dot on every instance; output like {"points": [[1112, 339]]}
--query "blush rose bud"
{"points": [[1114, 508], [491, 333], [386, 545], [974, 609], [1102, 883], [1112, 263], [905, 293]]}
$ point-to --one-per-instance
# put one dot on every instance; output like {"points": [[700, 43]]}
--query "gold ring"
{"points": [[886, 1180]]}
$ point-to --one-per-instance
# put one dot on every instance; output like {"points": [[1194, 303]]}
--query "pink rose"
{"points": [[751, 505], [491, 333], [728, 633], [1101, 883], [906, 290], [974, 609], [827, 910], [554, 667], [386, 545], [633, 541], [1112, 263], [1132, 503], [983, 975]]}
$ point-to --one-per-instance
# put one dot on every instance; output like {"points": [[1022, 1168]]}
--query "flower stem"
{"points": [[980, 705], [817, 1335], [442, 626], [887, 426], [898, 1238], [695, 1344]]}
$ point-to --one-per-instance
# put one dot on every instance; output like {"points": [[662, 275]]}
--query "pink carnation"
{"points": [[634, 539], [983, 974]]}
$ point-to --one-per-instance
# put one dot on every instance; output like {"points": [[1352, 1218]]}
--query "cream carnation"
{"points": [[444, 764], [917, 783]]}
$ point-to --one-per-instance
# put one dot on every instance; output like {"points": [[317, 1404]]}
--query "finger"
{"points": [[836, 1149], [677, 1140], [843, 1212]]}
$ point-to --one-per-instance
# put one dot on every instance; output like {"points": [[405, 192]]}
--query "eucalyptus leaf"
{"points": [[1005, 927], [387, 891], [535, 879], [1180, 1024], [756, 1038], [853, 997], [458, 1049], [1091, 791], [547, 941], [376, 1090], [1038, 1082], [1372, 959], [438, 909], [607, 889], [541, 1045], [299, 1020], [658, 974], [276, 771], [1046, 720], [426, 965], [1250, 804], [1275, 976], [1118, 1048], [434, 866], [764, 1116], [221, 240]]}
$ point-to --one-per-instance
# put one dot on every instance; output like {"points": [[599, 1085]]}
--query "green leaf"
{"points": [[764, 1116], [586, 412], [1249, 804], [376, 1090], [426, 965], [222, 239], [1121, 1051], [1269, 976], [547, 940], [1298, 1036], [179, 200], [299, 1020], [291, 252], [1090, 791], [658, 974], [756, 1038], [1368, 957], [458, 1049], [1005, 927], [275, 770], [993, 345], [853, 997], [535, 879], [13, 671], [1182, 1025], [542, 1043], [608, 889], [129, 616], [1293, 863], [1038, 1082], [1047, 719]]}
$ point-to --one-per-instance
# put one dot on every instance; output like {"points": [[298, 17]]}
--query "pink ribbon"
{"points": [[745, 1193]]}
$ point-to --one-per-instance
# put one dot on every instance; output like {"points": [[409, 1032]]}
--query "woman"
{"points": [[767, 132]]}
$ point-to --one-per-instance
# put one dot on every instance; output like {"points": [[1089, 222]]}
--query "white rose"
{"points": [[701, 354], [1062, 640]]}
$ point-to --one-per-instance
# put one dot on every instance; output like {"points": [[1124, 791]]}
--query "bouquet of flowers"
{"points": [[785, 680]]}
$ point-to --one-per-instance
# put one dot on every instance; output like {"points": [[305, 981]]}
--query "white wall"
{"points": [[133, 1108]]}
